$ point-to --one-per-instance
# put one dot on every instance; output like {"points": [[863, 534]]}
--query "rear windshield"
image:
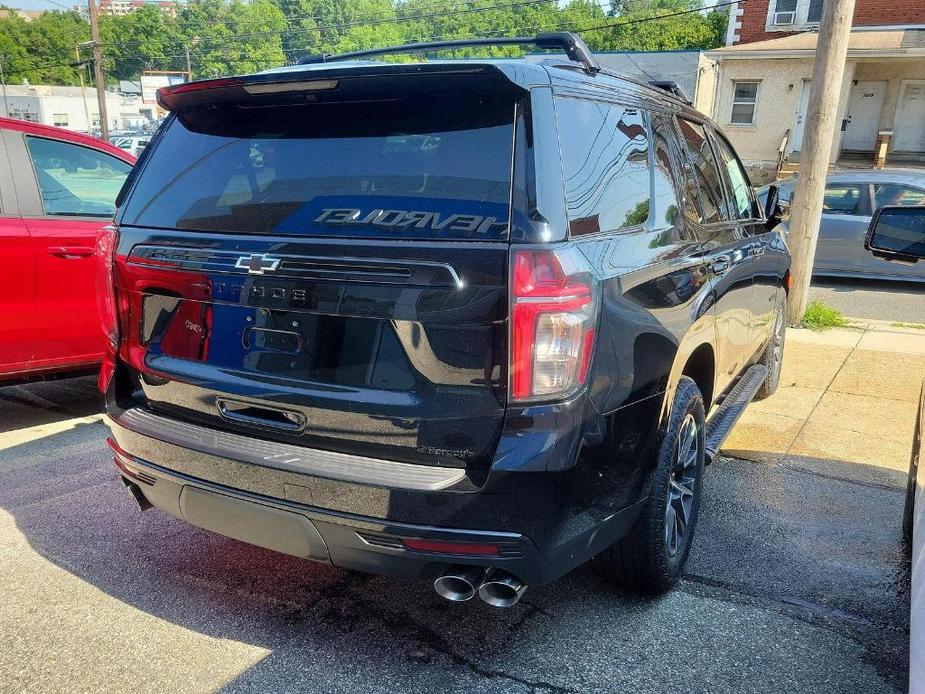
{"points": [[412, 167]]}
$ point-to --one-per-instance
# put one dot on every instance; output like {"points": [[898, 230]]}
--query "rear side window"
{"points": [[406, 168], [704, 181], [605, 162], [894, 194], [76, 181], [664, 194]]}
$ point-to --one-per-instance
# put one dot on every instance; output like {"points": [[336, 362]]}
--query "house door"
{"points": [[909, 124], [796, 141], [863, 117]]}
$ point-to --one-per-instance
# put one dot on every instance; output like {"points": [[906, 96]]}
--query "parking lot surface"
{"points": [[796, 584]]}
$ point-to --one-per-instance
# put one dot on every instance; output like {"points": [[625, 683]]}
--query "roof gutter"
{"points": [[783, 53]]}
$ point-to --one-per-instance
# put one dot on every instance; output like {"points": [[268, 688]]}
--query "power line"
{"points": [[610, 25], [399, 19], [69, 8], [513, 30]]}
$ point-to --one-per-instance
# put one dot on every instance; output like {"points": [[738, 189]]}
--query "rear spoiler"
{"points": [[317, 83]]}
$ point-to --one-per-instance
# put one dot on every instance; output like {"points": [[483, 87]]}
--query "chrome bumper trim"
{"points": [[283, 456]]}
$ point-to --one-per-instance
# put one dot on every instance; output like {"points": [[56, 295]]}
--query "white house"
{"points": [[71, 107], [760, 93]]}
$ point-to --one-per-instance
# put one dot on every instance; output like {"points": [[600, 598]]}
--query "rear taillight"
{"points": [[554, 311], [105, 286]]}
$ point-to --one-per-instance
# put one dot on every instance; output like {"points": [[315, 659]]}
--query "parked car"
{"points": [[497, 327], [897, 235], [57, 190], [851, 198], [914, 527], [133, 144]]}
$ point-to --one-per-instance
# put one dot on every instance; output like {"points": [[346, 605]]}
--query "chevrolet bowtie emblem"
{"points": [[257, 263]]}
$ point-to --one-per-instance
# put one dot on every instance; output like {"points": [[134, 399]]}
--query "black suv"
{"points": [[457, 320]]}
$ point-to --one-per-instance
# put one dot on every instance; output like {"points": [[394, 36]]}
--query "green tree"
{"points": [[144, 39], [301, 34], [648, 25], [231, 37], [719, 23], [41, 51]]}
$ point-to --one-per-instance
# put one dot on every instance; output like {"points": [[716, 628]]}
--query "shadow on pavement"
{"points": [[46, 402], [794, 577]]}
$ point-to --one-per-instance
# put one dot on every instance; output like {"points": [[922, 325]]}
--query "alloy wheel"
{"points": [[682, 486], [777, 346]]}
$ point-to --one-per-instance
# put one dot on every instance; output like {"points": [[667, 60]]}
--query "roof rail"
{"points": [[573, 45], [672, 87]]}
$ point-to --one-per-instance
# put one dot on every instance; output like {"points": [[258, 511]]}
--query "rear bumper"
{"points": [[350, 542], [537, 537]]}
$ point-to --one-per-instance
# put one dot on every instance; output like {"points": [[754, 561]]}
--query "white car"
{"points": [[132, 144], [897, 234]]}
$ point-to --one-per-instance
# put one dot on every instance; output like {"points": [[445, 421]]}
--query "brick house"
{"points": [[757, 86], [763, 20]]}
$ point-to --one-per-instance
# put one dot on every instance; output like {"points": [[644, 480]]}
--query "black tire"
{"points": [[645, 560], [773, 355]]}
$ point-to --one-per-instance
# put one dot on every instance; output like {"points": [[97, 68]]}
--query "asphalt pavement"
{"points": [[902, 302], [796, 583]]}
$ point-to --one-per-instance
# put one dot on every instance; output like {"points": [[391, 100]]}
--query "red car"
{"points": [[57, 190]]}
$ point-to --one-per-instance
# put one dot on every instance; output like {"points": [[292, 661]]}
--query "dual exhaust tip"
{"points": [[496, 587]]}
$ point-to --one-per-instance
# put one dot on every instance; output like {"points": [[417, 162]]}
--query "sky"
{"points": [[38, 4], [57, 4]]}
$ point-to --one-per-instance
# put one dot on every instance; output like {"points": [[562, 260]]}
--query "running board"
{"points": [[727, 414]]}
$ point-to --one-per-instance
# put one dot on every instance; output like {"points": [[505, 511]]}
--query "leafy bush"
{"points": [[819, 316]]}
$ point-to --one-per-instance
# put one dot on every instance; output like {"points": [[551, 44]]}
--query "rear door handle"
{"points": [[721, 264], [71, 251]]}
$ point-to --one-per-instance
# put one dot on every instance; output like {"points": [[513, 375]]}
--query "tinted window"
{"points": [[76, 180], [605, 161], [739, 188], [402, 168], [842, 199], [893, 194], [705, 185], [664, 195]]}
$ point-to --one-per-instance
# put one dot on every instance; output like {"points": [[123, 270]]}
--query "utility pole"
{"points": [[98, 77], [189, 65], [6, 106], [83, 87], [819, 132]]}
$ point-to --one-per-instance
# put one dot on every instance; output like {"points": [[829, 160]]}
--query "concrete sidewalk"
{"points": [[846, 396]]}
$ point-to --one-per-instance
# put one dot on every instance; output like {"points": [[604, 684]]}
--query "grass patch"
{"points": [[917, 326], [820, 317]]}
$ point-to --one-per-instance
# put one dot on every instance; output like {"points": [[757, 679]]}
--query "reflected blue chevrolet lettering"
{"points": [[400, 219]]}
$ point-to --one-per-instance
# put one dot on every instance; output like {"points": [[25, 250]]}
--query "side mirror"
{"points": [[773, 210], [897, 233]]}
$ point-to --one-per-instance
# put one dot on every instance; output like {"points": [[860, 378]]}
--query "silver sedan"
{"points": [[851, 197]]}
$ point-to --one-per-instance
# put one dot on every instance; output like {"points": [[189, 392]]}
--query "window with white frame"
{"points": [[744, 100], [785, 12], [59, 120], [785, 15]]}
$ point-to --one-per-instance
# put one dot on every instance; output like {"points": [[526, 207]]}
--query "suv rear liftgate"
{"points": [[338, 274]]}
